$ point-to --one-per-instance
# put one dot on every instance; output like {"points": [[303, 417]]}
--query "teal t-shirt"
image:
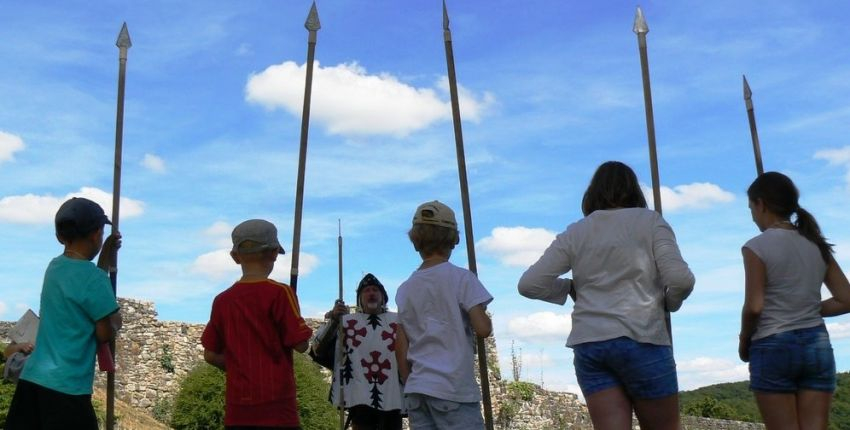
{"points": [[75, 295]]}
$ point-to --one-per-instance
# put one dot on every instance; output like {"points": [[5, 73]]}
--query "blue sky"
{"points": [[549, 90]]}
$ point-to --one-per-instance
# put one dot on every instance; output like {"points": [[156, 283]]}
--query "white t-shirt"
{"points": [[433, 306], [627, 270], [795, 273]]}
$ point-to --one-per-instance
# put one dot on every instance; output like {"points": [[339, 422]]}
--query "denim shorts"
{"points": [[644, 370], [791, 361], [430, 413]]}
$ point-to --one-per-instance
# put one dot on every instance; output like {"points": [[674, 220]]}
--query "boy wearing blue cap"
{"points": [[78, 311]]}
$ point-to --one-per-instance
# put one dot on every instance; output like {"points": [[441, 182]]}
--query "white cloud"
{"points": [[3, 308], [838, 330], [350, 101], [35, 209], [699, 195], [517, 246], [219, 234], [153, 163], [837, 157], [216, 265], [219, 266], [538, 325], [834, 156], [9, 145], [702, 371]]}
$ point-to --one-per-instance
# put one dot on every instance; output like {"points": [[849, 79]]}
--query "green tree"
{"points": [[708, 407]]}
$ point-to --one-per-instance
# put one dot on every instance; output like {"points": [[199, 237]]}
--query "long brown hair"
{"points": [[779, 194], [614, 185]]}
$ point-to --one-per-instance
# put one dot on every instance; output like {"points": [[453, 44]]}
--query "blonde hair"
{"points": [[431, 239]]}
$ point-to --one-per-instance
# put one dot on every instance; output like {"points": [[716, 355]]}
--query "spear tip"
{"points": [[124, 38], [640, 26], [445, 17], [748, 94], [312, 23]]}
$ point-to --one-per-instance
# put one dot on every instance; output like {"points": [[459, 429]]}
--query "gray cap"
{"points": [[83, 215], [259, 231], [435, 213]]}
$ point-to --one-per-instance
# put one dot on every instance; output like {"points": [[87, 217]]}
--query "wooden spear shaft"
{"points": [[754, 134], [312, 25], [341, 331], [640, 28], [123, 43], [467, 211]]}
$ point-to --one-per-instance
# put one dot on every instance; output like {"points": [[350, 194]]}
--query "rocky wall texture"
{"points": [[153, 356]]}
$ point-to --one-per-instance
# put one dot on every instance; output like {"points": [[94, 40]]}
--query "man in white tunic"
{"points": [[365, 374]]}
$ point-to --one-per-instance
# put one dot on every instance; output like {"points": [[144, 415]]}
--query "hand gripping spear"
{"points": [[748, 99], [123, 43], [467, 212], [312, 25], [640, 28]]}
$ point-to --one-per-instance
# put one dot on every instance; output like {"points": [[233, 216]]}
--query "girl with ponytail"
{"points": [[783, 336]]}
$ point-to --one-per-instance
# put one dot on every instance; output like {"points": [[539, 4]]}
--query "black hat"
{"points": [[81, 216], [370, 279]]}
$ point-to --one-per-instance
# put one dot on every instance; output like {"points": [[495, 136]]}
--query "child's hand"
{"points": [[108, 259]]}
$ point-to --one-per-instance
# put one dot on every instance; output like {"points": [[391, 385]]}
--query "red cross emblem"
{"points": [[390, 335], [375, 368], [351, 333]]}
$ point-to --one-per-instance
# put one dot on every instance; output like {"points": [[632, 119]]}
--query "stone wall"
{"points": [[154, 356]]}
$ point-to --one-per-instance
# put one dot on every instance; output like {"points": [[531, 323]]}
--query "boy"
{"points": [[78, 311], [438, 307], [254, 326]]}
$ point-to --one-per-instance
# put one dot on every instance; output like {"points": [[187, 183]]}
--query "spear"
{"points": [[123, 43], [748, 99], [341, 334], [467, 212], [312, 25], [640, 28]]}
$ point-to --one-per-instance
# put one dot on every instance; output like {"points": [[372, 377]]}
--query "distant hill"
{"points": [[734, 401]]}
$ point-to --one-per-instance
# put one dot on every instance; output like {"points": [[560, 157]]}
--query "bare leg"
{"points": [[779, 411], [813, 409], [610, 409], [658, 414]]}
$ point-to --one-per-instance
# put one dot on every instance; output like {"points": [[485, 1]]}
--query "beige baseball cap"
{"points": [[435, 213], [259, 231]]}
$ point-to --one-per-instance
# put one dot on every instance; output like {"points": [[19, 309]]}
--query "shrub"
{"points": [[520, 390], [200, 401]]}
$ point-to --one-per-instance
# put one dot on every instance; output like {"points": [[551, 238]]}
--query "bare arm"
{"points": [[214, 358], [837, 284], [755, 275], [401, 346], [106, 327], [480, 321], [13, 347]]}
